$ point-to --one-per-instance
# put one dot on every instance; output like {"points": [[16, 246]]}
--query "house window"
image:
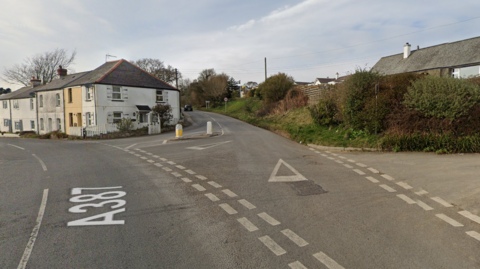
{"points": [[159, 96], [5, 104], [117, 93], [17, 125], [41, 101], [31, 104], [89, 94], [70, 119], [6, 122], [57, 99], [42, 124], [32, 124], [50, 124], [70, 98], [59, 124], [15, 104], [89, 118], [117, 117]]}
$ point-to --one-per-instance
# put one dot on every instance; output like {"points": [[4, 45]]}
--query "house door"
{"points": [[79, 120]]}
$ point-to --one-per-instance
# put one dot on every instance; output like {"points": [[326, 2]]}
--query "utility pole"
{"points": [[265, 68]]}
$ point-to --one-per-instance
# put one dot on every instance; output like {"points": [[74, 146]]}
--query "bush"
{"points": [[295, 98], [125, 125], [324, 113], [275, 88], [165, 114], [442, 97], [444, 143]]}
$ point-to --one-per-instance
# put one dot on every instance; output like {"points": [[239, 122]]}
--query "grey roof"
{"points": [[60, 83], [20, 93], [325, 80], [455, 54]]}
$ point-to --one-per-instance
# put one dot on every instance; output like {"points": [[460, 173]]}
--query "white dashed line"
{"points": [[341, 157], [180, 167], [150, 161], [268, 219], [474, 235], [247, 204], [295, 238], [201, 177], [229, 193], [449, 220], [143, 158], [155, 156], [317, 152], [214, 184], [441, 201], [352, 161], [361, 164], [329, 262], [176, 174], [247, 224], [165, 141], [142, 150], [421, 192], [158, 164], [44, 167], [135, 149], [470, 216], [372, 179], [270, 244], [373, 170], [16, 146], [327, 151], [186, 180], [359, 172], [148, 153], [338, 161], [163, 159], [387, 188], [404, 185], [198, 187], [388, 177], [324, 155], [212, 197], [138, 155], [424, 206], [311, 149], [167, 169], [228, 209], [131, 146], [331, 158], [190, 172], [406, 199], [334, 154], [348, 166], [172, 163], [297, 265]]}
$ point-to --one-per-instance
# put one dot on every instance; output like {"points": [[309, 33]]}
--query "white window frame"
{"points": [[32, 104], [5, 104], [119, 93], [40, 101], [17, 125], [32, 124], [159, 93], [6, 122], [15, 104], [59, 124], [42, 124], [117, 118], [89, 94], [57, 100]]}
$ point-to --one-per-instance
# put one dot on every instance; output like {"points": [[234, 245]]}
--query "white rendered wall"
{"points": [[50, 110]]}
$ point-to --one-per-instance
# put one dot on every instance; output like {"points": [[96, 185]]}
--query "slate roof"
{"points": [[61, 83], [449, 55], [20, 93], [325, 80]]}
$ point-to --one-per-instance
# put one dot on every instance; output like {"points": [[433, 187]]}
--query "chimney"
{"points": [[61, 72], [35, 82], [336, 76], [406, 51], [418, 47]]}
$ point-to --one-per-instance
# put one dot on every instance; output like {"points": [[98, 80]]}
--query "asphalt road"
{"points": [[245, 198]]}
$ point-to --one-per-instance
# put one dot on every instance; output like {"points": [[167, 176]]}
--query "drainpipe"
{"points": [[10, 129], [94, 91], [36, 108]]}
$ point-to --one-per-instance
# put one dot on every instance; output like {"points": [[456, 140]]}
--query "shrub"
{"points": [[275, 88], [324, 113], [442, 97], [165, 114], [295, 98], [125, 125], [431, 142]]}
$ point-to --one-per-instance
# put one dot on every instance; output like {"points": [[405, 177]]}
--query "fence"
{"points": [[313, 93]]}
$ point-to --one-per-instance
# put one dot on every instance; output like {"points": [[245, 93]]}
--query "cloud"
{"points": [[249, 24]]}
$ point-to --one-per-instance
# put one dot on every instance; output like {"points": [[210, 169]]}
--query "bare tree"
{"points": [[43, 66], [158, 69], [205, 74]]}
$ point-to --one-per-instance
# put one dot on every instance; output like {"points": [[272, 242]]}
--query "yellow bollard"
{"points": [[179, 131]]}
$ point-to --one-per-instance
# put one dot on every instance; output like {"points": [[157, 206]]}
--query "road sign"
{"points": [[225, 99]]}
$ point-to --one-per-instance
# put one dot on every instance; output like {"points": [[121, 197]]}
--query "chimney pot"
{"points": [[406, 50], [336, 76], [61, 72], [35, 82]]}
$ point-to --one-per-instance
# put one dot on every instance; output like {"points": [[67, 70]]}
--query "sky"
{"points": [[306, 39]]}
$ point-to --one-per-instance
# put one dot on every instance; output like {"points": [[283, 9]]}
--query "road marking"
{"points": [[190, 172], [373, 170], [212, 197], [474, 235], [247, 204], [176, 174], [295, 238], [132, 152], [34, 234], [361, 164], [421, 192], [207, 146], [158, 164], [387, 188], [334, 154], [214, 184], [167, 169], [155, 156], [404, 185], [198, 187], [135, 149], [317, 152], [165, 141], [229, 193], [270, 244], [331, 158], [359, 172], [268, 219], [150, 161], [388, 177], [327, 151], [130, 146], [163, 159], [200, 177], [406, 199], [170, 162], [148, 153], [449, 220], [352, 161], [311, 149], [441, 201], [338, 161], [297, 265], [228, 209], [143, 158], [470, 216], [44, 167], [324, 155], [247, 224], [138, 155], [186, 180], [16, 146], [372, 179], [141, 150], [275, 178], [180, 167], [329, 262], [424, 206], [341, 157], [348, 166]]}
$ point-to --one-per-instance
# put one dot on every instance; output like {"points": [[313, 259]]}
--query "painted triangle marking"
{"points": [[275, 178], [202, 147]]}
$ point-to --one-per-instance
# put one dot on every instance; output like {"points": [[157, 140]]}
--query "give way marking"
{"points": [[202, 147], [296, 177]]}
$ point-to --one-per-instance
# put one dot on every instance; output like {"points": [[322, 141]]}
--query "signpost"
{"points": [[226, 100]]}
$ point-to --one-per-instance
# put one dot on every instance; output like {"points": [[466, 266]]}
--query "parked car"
{"points": [[188, 108]]}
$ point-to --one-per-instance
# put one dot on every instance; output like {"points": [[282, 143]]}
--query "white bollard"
{"points": [[209, 128], [179, 131]]}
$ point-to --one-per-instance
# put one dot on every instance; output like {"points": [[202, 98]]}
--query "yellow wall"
{"points": [[74, 107]]}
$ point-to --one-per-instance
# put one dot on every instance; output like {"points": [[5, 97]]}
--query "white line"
{"points": [[198, 187], [190, 172], [270, 244], [155, 156], [470, 216], [229, 193], [474, 235], [138, 155], [331, 158], [176, 174], [163, 159], [338, 161], [295, 238], [406, 199], [141, 150], [138, 149], [348, 166], [247, 224], [441, 201], [150, 161], [130, 146], [372, 179], [143, 158], [41, 162], [341, 157], [388, 177], [317, 152], [167, 169], [361, 164], [324, 155], [247, 204], [165, 141], [373, 170], [297, 265], [170, 162], [359, 172], [424, 206], [387, 188], [148, 153], [311, 149], [329, 262], [404, 185], [158, 164], [268, 219], [16, 146], [228, 209], [327, 151], [34, 234], [186, 180], [180, 167], [350, 160], [448, 220], [214, 184], [211, 197], [201, 177], [334, 154], [421, 192]]}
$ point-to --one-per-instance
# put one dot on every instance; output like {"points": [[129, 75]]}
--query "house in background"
{"points": [[330, 81], [459, 59]]}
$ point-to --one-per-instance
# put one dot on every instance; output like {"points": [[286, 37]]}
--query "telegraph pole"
{"points": [[265, 68]]}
